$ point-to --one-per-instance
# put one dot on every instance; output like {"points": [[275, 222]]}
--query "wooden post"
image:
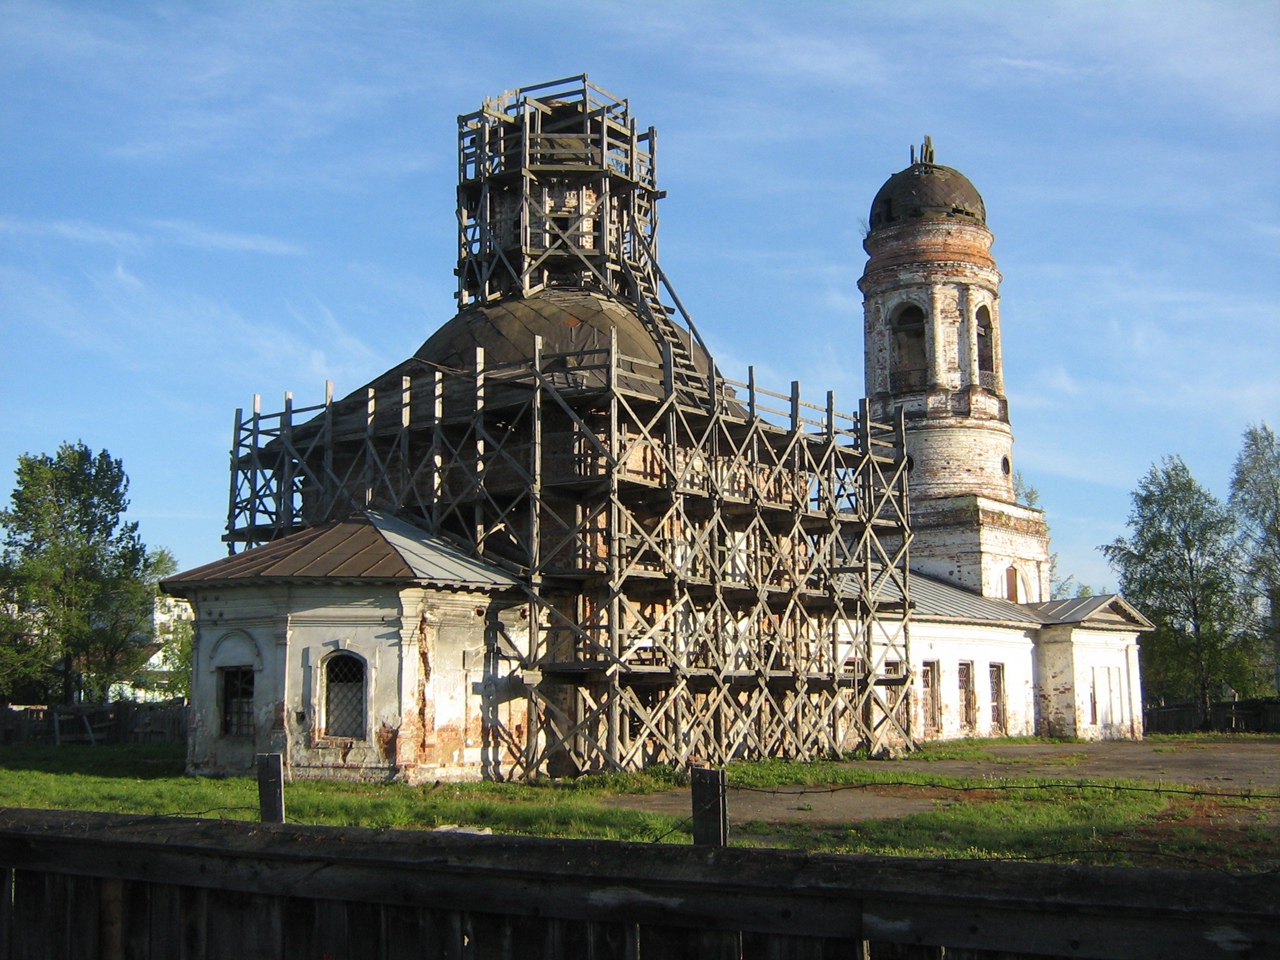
{"points": [[478, 479], [614, 719], [331, 490], [233, 507], [271, 787], [710, 810], [285, 504], [370, 452]]}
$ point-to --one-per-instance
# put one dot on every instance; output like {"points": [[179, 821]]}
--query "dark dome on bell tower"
{"points": [[925, 190]]}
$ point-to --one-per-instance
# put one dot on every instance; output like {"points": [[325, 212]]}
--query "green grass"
{"points": [[1071, 825], [975, 750], [1070, 821], [1201, 737], [149, 780]]}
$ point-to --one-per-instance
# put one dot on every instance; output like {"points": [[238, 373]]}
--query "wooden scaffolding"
{"points": [[714, 570]]}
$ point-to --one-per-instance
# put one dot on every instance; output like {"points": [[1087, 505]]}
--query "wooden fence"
{"points": [[120, 722], [108, 886], [1260, 715]]}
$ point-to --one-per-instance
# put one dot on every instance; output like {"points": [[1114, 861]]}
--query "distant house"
{"points": [[152, 682]]}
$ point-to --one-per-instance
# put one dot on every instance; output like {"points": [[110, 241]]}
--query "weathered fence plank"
{"points": [[194, 904], [6, 911], [278, 890], [120, 722], [83, 918]]}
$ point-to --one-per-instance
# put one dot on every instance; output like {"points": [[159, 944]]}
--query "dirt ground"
{"points": [[1228, 765]]}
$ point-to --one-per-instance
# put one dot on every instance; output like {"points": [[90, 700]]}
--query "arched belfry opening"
{"points": [[910, 364], [986, 348], [710, 568]]}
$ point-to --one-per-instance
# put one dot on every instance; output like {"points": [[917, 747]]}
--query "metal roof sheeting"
{"points": [[936, 599], [365, 546], [436, 560], [1106, 609]]}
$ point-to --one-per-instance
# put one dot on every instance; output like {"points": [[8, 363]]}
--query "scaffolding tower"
{"points": [[713, 570]]}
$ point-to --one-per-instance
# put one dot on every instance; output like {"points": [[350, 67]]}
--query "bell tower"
{"points": [[932, 340]]}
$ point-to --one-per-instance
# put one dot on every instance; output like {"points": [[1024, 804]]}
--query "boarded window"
{"points": [[344, 696], [998, 718], [1011, 591], [237, 702]]}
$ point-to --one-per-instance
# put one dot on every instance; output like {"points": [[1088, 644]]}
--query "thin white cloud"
{"points": [[74, 230], [141, 329], [193, 235], [125, 278]]}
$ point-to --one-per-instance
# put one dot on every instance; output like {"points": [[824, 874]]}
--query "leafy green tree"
{"points": [[1180, 565], [81, 582], [25, 651], [1255, 500], [1023, 492]]}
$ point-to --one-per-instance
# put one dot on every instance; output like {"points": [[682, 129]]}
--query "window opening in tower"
{"points": [[986, 350], [910, 364]]}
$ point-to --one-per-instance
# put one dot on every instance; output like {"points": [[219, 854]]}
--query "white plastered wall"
{"points": [[948, 644], [245, 627], [1089, 684], [443, 698]]}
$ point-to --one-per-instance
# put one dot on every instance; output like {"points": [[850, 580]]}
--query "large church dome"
{"points": [[568, 320], [926, 190]]}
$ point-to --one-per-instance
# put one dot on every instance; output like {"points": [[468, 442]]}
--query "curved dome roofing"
{"points": [[926, 190], [568, 320]]}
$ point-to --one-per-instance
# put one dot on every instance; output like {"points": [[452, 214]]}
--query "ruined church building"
{"points": [[559, 538]]}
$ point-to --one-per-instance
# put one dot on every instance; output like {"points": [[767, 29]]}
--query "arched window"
{"points": [[986, 350], [910, 364], [344, 677], [1012, 586]]}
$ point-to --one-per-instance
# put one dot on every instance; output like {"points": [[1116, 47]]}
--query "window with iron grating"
{"points": [[344, 696], [237, 702]]}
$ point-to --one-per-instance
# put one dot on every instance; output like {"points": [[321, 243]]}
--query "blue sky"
{"points": [[199, 202]]}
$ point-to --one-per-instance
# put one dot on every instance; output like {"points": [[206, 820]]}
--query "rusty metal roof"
{"points": [[368, 546], [926, 190]]}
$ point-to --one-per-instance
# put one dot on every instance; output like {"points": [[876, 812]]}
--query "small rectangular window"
{"points": [[998, 719], [237, 702], [968, 700], [932, 699]]}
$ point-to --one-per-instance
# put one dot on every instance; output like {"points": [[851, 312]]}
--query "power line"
{"points": [[1002, 785]]}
